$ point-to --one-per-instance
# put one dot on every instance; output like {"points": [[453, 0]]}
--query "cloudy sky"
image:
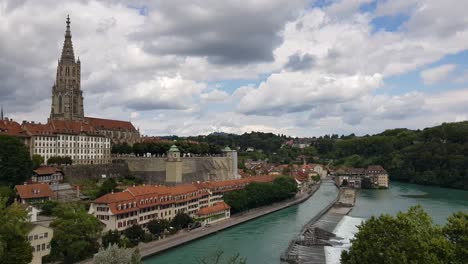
{"points": [[302, 68]]}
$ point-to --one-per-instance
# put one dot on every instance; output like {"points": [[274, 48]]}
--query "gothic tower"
{"points": [[67, 97]]}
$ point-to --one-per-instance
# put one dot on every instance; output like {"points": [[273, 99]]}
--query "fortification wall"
{"points": [[152, 170]]}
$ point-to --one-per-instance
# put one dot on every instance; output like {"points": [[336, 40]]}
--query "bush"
{"points": [[156, 227]]}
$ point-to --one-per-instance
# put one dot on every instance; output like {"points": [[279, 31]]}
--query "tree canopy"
{"points": [[14, 227], [76, 233], [15, 163], [260, 194], [409, 237]]}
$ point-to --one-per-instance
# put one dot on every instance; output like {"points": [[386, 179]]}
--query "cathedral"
{"points": [[68, 132], [67, 98]]}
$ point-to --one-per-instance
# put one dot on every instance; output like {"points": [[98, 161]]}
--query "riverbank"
{"points": [[183, 237], [309, 247]]}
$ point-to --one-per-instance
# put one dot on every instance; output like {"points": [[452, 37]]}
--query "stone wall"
{"points": [[153, 170], [96, 171]]}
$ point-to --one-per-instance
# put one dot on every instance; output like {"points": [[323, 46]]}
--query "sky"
{"points": [[295, 67]]}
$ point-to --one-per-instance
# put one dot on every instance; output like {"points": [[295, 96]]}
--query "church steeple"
{"points": [[67, 50], [67, 97], [1, 114]]}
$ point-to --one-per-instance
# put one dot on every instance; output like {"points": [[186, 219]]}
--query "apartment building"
{"points": [[140, 204]]}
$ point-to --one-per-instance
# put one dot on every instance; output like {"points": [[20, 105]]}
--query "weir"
{"points": [[308, 247]]}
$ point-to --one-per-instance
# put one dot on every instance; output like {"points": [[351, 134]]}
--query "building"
{"points": [[47, 174], [33, 193], [374, 176], [40, 237], [75, 139], [141, 204], [118, 131], [8, 127], [218, 212]]}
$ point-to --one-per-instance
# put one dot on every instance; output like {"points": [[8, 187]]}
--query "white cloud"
{"points": [[437, 74]]}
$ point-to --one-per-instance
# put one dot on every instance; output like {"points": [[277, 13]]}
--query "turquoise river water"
{"points": [[263, 240]]}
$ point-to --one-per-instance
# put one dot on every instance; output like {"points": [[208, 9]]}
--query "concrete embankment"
{"points": [[155, 247], [308, 247]]}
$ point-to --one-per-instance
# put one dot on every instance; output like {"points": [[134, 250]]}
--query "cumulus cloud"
{"points": [[163, 93], [225, 32], [437, 74]]}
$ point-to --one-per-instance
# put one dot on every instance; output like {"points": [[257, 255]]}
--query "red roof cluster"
{"points": [[11, 128], [38, 190], [218, 207]]}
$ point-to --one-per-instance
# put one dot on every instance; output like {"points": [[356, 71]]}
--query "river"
{"points": [[264, 239]]}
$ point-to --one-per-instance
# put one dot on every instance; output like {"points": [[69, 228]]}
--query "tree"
{"points": [[112, 237], [48, 207], [456, 231], [15, 163], [409, 237], [156, 227], [76, 233], [181, 221], [37, 161], [107, 186], [135, 234], [59, 160], [113, 254], [14, 247]]}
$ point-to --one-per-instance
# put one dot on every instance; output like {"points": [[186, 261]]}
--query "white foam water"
{"points": [[346, 229]]}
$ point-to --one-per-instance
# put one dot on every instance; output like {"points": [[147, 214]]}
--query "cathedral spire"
{"points": [[1, 114], [67, 51]]}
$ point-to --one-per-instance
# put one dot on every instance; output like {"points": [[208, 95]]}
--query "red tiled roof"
{"points": [[115, 197], [74, 127], [110, 124], [46, 170], [11, 128], [218, 207], [59, 126], [38, 190]]}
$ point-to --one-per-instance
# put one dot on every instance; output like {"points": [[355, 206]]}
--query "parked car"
{"points": [[194, 225]]}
